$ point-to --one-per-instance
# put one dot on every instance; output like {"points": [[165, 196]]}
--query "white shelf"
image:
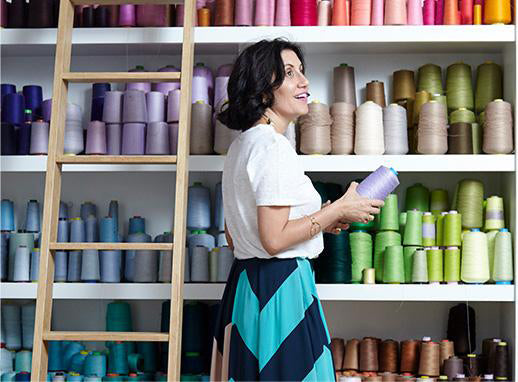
{"points": [[311, 163], [138, 41], [327, 292]]}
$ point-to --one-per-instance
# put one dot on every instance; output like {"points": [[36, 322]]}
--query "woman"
{"points": [[271, 325]]}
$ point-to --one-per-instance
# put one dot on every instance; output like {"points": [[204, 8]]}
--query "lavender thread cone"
{"points": [[173, 106], [113, 138], [39, 138], [166, 87], [133, 138], [112, 112], [46, 108], [157, 140], [379, 184], [134, 107], [96, 138], [200, 89], [74, 140], [173, 138], [155, 102], [142, 86]]}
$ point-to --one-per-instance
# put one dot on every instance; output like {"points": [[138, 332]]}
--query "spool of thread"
{"points": [[224, 264], [118, 362], [137, 224], [166, 87], [501, 361], [342, 128], [315, 130], [466, 12], [243, 13], [497, 12], [344, 84], [22, 361], [200, 264], [415, 13], [39, 138], [127, 15], [77, 361], [377, 12], [88, 17], [137, 237], [32, 219], [503, 261], [446, 351], [435, 262], [369, 137], [102, 16], [429, 360], [462, 115], [470, 200], [33, 97], [389, 218], [112, 110], [90, 268], [324, 13], [379, 183], [361, 254], [376, 92], [368, 350], [134, 107], [74, 266], [92, 231], [420, 267], [395, 12], [224, 13], [35, 264], [113, 138], [283, 13], [421, 97], [438, 201], [201, 129], [458, 86], [133, 139], [198, 207], [388, 358], [173, 105], [361, 12], [393, 268], [395, 130], [452, 265], [432, 131], [452, 229], [475, 257], [16, 240], [498, 128], [404, 85], [494, 213], [413, 228], [11, 322], [110, 266], [335, 266], [489, 85], [337, 350], [383, 239], [451, 13], [13, 106], [77, 230], [304, 13], [7, 218], [157, 140], [477, 14], [410, 356], [96, 138], [351, 355], [61, 266], [429, 78], [152, 15], [428, 230], [408, 258], [453, 366], [146, 266]]}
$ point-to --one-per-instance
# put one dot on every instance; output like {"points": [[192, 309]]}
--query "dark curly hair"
{"points": [[257, 72]]}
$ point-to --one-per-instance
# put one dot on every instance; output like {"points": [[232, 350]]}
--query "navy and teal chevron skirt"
{"points": [[271, 326]]}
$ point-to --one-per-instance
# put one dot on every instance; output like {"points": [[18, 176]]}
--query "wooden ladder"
{"points": [[56, 159]]}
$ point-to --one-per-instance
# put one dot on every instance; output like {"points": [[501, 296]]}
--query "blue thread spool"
{"points": [[87, 209], [75, 259], [33, 95], [11, 321], [118, 358], [63, 231], [32, 221], [13, 106], [77, 362], [137, 224], [9, 139], [15, 240], [63, 210], [24, 138], [22, 263], [74, 377], [148, 350], [198, 207], [113, 212], [99, 90], [7, 89], [193, 328], [111, 264], [61, 262], [118, 319], [28, 316], [7, 211], [4, 255], [35, 264], [55, 356], [108, 231], [96, 111], [219, 216], [23, 361], [90, 267], [77, 230], [8, 376], [129, 270], [95, 364], [23, 376], [69, 351], [135, 362], [91, 229]]}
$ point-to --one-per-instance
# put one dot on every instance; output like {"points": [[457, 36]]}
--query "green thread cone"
{"points": [[420, 267], [503, 261], [429, 78], [476, 136], [459, 87], [489, 85], [393, 265], [452, 231], [470, 201], [417, 198], [361, 254], [382, 240], [389, 220], [452, 264], [413, 228], [428, 229], [491, 236], [408, 255], [438, 201], [462, 115], [402, 222], [439, 229], [434, 257]]}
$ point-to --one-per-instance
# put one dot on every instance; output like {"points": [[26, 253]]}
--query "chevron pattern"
{"points": [[278, 330]]}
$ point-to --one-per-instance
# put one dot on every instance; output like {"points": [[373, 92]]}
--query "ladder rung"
{"points": [[117, 159], [117, 2], [111, 246], [106, 336], [121, 76]]}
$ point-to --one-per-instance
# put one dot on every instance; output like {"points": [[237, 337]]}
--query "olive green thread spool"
{"points": [[389, 219], [459, 87], [491, 236], [489, 85], [441, 98], [452, 265], [413, 228], [434, 262], [428, 235], [408, 257], [417, 198], [402, 222], [439, 229], [476, 135], [494, 213], [429, 78], [419, 267], [361, 253], [475, 258], [393, 265], [452, 233], [438, 201], [382, 240], [503, 262], [462, 115], [470, 201]]}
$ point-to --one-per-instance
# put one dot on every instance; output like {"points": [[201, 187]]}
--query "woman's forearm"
{"points": [[230, 242]]}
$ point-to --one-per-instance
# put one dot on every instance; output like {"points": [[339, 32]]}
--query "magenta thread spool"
{"points": [[173, 106], [112, 110], [113, 138], [180, 10], [429, 12], [379, 184], [133, 138], [155, 107], [157, 139], [39, 138], [127, 16], [134, 108], [243, 13], [173, 137], [152, 15], [439, 12], [166, 87], [143, 86], [96, 138]]}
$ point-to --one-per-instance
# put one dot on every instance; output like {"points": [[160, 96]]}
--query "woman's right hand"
{"points": [[354, 208]]}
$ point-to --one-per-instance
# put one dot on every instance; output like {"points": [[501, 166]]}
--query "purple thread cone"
{"points": [[96, 138], [379, 184], [173, 138], [142, 86], [133, 138], [155, 107], [134, 107], [180, 10], [112, 111], [166, 87], [127, 16], [152, 15], [74, 112], [157, 139], [244, 13], [113, 138], [39, 138], [46, 108], [173, 106]]}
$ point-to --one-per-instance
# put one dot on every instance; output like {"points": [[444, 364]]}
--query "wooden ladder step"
{"points": [[106, 336], [117, 159], [88, 77], [111, 246]]}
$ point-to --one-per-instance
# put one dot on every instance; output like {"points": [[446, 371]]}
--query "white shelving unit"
{"points": [[376, 52]]}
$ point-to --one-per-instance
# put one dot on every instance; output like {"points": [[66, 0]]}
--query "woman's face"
{"points": [[291, 98]]}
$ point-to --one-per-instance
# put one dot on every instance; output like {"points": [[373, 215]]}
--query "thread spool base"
{"points": [[453, 283]]}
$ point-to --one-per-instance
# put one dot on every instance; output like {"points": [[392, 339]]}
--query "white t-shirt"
{"points": [[262, 169]]}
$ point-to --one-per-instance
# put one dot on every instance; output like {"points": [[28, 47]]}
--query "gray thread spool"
{"points": [[112, 110], [22, 263], [453, 366], [87, 209], [4, 254], [92, 230], [200, 264], [77, 230], [157, 138], [219, 216], [111, 262], [129, 269], [90, 265], [32, 219], [134, 108], [187, 266], [63, 210], [63, 231], [201, 238], [173, 106], [165, 267], [213, 265], [133, 138], [198, 207], [221, 240], [35, 264], [173, 137], [202, 140], [28, 315], [113, 138], [225, 261], [74, 266], [39, 138], [15, 240], [223, 137], [146, 267], [61, 263], [155, 107], [11, 319]]}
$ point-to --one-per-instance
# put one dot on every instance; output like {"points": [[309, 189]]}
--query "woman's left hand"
{"points": [[337, 227]]}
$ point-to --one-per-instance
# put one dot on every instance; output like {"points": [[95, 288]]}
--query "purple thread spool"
{"points": [[134, 107], [7, 88], [200, 70], [173, 138], [74, 112], [127, 16], [39, 138], [262, 13], [155, 107], [96, 113], [113, 138], [33, 95], [157, 140], [9, 144], [142, 86], [112, 111], [180, 10], [96, 138], [3, 13], [133, 138], [24, 139], [379, 184], [152, 15], [46, 109], [244, 13], [166, 87], [13, 109], [224, 70], [173, 106], [74, 140]]}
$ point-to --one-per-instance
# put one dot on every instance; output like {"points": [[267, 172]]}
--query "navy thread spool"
{"points": [[96, 138], [225, 261], [39, 144], [112, 111], [118, 358], [198, 207], [90, 271], [33, 95], [22, 264], [95, 364], [87, 17], [4, 255], [17, 14], [7, 219], [111, 263], [40, 14], [13, 107], [69, 351], [146, 266], [219, 217], [15, 240], [63, 210], [77, 230], [113, 212], [46, 109], [113, 138], [32, 217], [199, 264], [155, 104], [134, 109], [137, 237], [55, 349], [63, 231], [87, 209], [9, 141], [99, 89], [148, 350], [61, 265], [91, 229], [7, 89], [133, 139], [28, 315], [137, 224], [35, 264], [101, 16], [22, 361], [221, 240], [24, 135], [157, 140], [173, 137], [22, 376], [96, 109], [77, 362], [11, 321], [74, 266], [173, 106]]}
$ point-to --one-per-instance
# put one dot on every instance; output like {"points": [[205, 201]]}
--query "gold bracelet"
{"points": [[315, 226]]}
